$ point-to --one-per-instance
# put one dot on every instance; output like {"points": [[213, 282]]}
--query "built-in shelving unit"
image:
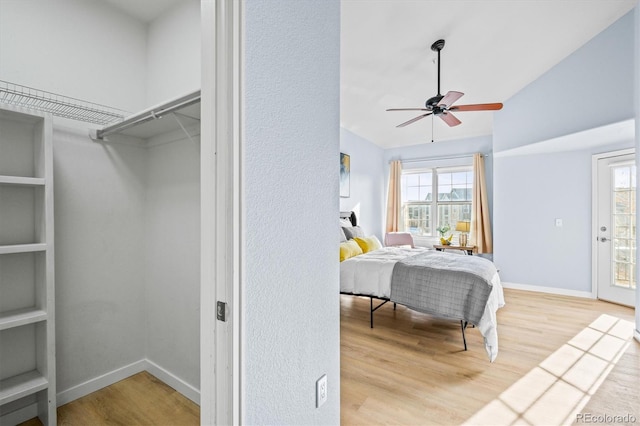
{"points": [[27, 320]]}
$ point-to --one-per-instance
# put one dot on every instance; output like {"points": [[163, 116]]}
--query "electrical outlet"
{"points": [[321, 391], [559, 223]]}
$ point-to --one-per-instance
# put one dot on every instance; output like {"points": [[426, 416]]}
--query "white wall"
{"points": [[99, 246], [172, 258], [591, 88], [367, 195], [172, 209], [112, 200], [291, 319], [173, 53], [88, 50], [79, 48]]}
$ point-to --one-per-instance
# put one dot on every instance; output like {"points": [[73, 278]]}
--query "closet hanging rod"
{"points": [[451, 157], [148, 115]]}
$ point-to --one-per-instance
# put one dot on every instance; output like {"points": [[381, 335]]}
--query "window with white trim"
{"points": [[423, 212]]}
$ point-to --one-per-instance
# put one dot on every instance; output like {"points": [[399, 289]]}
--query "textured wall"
{"points": [[291, 284]]}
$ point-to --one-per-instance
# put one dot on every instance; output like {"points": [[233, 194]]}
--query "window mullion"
{"points": [[434, 201]]}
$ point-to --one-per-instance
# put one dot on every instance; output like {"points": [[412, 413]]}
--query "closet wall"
{"points": [[78, 48], [172, 208], [99, 197], [126, 213], [172, 264]]}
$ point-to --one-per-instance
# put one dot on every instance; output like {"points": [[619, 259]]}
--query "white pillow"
{"points": [[345, 223]]}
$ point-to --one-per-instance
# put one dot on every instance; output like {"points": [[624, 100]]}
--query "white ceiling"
{"points": [[494, 48]]}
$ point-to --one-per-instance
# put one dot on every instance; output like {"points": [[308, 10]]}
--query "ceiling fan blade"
{"points": [[408, 109], [477, 107], [450, 98], [413, 120], [450, 119]]}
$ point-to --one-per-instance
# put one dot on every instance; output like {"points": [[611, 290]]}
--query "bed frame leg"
{"points": [[463, 325], [394, 306], [371, 310]]}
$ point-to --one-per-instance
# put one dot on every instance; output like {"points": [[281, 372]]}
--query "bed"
{"points": [[442, 284]]}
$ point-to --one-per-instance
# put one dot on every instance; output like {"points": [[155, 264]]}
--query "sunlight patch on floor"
{"points": [[555, 391]]}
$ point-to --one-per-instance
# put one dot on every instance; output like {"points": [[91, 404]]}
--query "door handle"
{"points": [[604, 239]]}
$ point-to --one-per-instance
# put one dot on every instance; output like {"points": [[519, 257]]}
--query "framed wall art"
{"points": [[345, 175]]}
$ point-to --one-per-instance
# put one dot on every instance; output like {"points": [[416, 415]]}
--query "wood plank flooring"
{"points": [[412, 369], [620, 393], [137, 400]]}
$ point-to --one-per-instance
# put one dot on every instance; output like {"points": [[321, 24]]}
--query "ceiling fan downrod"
{"points": [[437, 47]]}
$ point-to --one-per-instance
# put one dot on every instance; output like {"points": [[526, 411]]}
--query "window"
{"points": [[423, 212]]}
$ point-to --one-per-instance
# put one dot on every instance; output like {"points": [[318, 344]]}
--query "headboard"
{"points": [[351, 216]]}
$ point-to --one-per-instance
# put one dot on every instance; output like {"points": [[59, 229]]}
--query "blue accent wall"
{"points": [[592, 87]]}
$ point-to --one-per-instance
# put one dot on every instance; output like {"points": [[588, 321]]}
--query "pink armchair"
{"points": [[398, 239]]}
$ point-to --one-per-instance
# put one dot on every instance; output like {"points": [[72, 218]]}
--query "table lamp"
{"points": [[463, 227]]}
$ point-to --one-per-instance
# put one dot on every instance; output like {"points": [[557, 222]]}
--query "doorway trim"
{"points": [[594, 208], [221, 214]]}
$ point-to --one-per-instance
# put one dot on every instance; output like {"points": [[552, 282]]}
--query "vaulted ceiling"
{"points": [[493, 49]]}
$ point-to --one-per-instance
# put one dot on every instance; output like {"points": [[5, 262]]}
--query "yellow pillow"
{"points": [[368, 244], [349, 249]]}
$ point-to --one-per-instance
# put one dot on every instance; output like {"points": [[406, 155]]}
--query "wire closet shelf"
{"points": [[59, 105]]}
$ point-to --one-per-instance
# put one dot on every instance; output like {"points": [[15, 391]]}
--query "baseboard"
{"points": [[122, 373], [20, 416], [550, 290], [100, 382], [175, 382]]}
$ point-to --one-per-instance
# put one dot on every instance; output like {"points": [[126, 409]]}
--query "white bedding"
{"points": [[369, 274]]}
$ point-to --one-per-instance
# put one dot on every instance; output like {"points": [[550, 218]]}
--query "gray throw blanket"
{"points": [[444, 285]]}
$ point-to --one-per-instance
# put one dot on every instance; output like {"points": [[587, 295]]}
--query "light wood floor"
{"points": [[137, 400], [411, 368]]}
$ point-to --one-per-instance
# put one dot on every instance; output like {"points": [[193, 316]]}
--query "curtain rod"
{"points": [[452, 157]]}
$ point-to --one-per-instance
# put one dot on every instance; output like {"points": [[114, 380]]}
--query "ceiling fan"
{"points": [[441, 106]]}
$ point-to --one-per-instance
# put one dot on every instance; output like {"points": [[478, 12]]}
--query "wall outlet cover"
{"points": [[321, 391]]}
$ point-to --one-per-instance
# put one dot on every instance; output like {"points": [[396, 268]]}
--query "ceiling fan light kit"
{"points": [[441, 106]]}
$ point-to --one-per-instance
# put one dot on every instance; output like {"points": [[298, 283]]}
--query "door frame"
{"points": [[594, 208], [220, 208]]}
